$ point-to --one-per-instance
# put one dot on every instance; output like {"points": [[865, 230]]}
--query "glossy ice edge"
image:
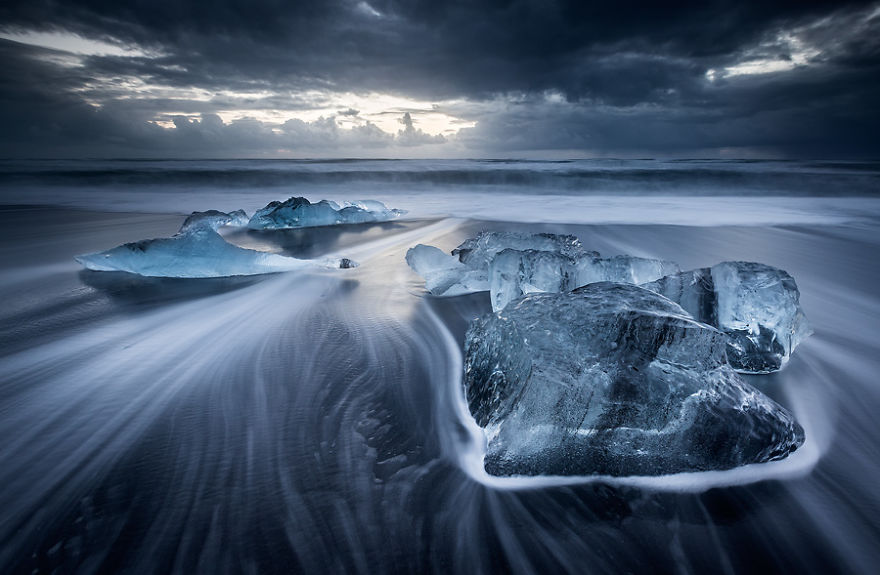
{"points": [[467, 446]]}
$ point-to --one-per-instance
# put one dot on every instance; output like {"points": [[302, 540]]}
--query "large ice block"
{"points": [[196, 252], [613, 379], [298, 212], [757, 306]]}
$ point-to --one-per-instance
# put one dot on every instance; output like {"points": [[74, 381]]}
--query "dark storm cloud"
{"points": [[604, 78]]}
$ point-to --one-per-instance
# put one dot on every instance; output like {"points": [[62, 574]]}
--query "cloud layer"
{"points": [[345, 78]]}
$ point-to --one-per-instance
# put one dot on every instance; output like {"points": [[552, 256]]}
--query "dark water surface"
{"points": [[306, 422]]}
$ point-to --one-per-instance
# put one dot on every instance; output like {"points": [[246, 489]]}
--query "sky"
{"points": [[433, 79]]}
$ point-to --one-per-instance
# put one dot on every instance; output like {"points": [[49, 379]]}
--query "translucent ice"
{"points": [[756, 305], [444, 274], [622, 269], [198, 251], [214, 220], [298, 212], [479, 251], [613, 379], [513, 273], [512, 264], [467, 270]]}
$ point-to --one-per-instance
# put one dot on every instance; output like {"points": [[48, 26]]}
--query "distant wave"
{"points": [[697, 177], [680, 192]]}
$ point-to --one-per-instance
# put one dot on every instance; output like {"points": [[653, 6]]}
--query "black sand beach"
{"points": [[305, 422]]}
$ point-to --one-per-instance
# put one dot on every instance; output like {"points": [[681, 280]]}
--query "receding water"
{"points": [[313, 421]]}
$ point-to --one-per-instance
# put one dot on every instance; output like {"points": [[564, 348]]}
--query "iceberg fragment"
{"points": [[214, 219], [298, 212], [622, 269], [514, 273], [444, 274], [467, 270], [197, 251], [479, 251], [613, 379], [757, 306]]}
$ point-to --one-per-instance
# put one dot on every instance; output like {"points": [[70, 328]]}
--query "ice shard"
{"points": [[198, 251], [613, 379], [444, 274], [298, 212], [757, 306]]}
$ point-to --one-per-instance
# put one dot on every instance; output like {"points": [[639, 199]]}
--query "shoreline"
{"points": [[318, 403]]}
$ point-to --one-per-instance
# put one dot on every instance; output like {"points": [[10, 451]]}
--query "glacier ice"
{"points": [[514, 273], [479, 251], [755, 305], [622, 269], [214, 219], [467, 270], [511, 264], [613, 379], [298, 212], [444, 274], [197, 251]]}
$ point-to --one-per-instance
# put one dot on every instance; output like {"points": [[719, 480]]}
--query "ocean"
{"points": [[313, 421]]}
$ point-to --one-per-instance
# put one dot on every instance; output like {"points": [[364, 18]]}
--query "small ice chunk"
{"points": [[444, 274], [514, 273], [369, 205], [298, 212], [756, 305], [613, 379], [214, 219], [196, 252], [479, 251]]}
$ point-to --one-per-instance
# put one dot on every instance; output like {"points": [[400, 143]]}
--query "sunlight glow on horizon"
{"points": [[381, 110], [266, 106]]}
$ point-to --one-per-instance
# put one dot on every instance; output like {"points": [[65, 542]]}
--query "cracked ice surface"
{"points": [[613, 379], [467, 269], [511, 264], [757, 306], [479, 251], [514, 273]]}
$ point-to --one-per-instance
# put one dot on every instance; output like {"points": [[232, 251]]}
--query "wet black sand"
{"points": [[301, 422]]}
